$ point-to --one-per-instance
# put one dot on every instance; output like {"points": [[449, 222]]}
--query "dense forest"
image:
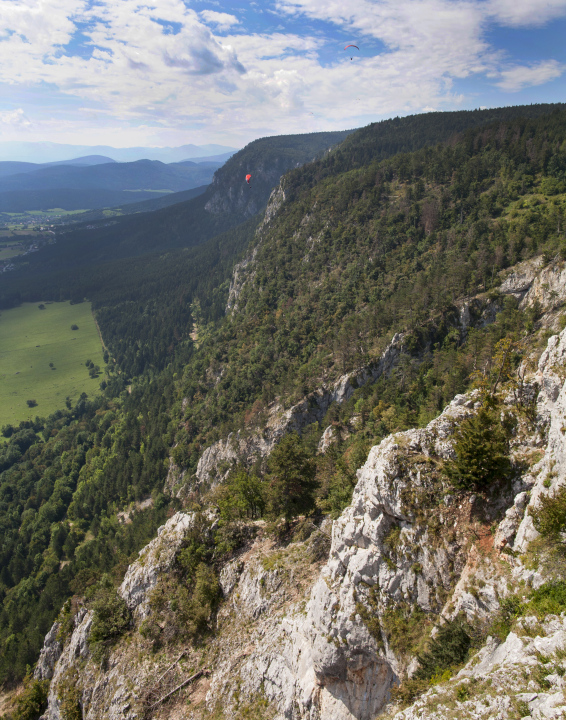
{"points": [[384, 234]]}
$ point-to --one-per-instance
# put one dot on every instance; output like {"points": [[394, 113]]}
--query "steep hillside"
{"points": [[395, 246], [363, 302], [312, 628]]}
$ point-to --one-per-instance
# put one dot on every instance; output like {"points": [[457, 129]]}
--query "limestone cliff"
{"points": [[216, 460], [530, 282], [304, 634]]}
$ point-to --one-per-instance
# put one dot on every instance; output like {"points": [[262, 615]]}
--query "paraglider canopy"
{"points": [[351, 46], [248, 178]]}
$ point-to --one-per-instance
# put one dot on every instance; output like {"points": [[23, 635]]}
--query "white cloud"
{"points": [[223, 21], [517, 13], [38, 25], [159, 68], [519, 77], [14, 118]]}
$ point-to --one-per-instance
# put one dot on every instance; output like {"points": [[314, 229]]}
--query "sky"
{"points": [[169, 72]]}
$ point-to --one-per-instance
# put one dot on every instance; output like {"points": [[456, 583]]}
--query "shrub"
{"points": [[448, 649], [241, 496], [31, 403], [509, 609], [404, 628], [111, 618], [548, 599], [482, 452], [70, 698], [31, 703], [74, 327], [549, 517]]}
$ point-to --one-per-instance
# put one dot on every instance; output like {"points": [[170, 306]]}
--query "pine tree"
{"points": [[482, 452], [291, 479]]}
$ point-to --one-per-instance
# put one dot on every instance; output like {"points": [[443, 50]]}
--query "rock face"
{"points": [[532, 282], [110, 693], [217, 459], [155, 558], [551, 409], [244, 270], [519, 281], [322, 663], [500, 679], [50, 653], [76, 649], [315, 637], [229, 193]]}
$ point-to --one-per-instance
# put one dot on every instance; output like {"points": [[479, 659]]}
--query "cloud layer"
{"points": [[164, 70]]}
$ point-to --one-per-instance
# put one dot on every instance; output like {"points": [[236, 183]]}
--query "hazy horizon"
{"points": [[47, 151]]}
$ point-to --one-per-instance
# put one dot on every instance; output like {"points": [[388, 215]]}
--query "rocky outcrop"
{"points": [[229, 193], [113, 692], [532, 282], [244, 271], [316, 639], [50, 653], [216, 460], [388, 551], [521, 277], [548, 288], [323, 663], [550, 471], [155, 559], [75, 651], [521, 677], [239, 277]]}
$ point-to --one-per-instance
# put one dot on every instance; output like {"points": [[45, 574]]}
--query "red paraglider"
{"points": [[248, 178], [354, 46]]}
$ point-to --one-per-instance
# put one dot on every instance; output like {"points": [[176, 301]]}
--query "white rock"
{"points": [[157, 557]]}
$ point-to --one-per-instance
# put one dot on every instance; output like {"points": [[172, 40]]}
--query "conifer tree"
{"points": [[482, 452], [291, 479]]}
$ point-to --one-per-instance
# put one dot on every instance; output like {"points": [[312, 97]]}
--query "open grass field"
{"points": [[30, 339], [6, 253]]}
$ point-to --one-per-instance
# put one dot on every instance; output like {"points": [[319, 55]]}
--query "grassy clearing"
{"points": [[30, 339], [6, 253]]}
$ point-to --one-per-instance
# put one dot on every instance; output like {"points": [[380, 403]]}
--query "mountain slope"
{"points": [[409, 247], [309, 626], [183, 225], [74, 187], [130, 208]]}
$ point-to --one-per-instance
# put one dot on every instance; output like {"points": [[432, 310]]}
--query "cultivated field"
{"points": [[31, 339]]}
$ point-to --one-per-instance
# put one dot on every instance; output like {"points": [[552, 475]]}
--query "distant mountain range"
{"points": [[81, 186], [47, 152]]}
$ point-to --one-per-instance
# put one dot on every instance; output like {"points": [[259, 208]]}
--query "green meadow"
{"points": [[31, 339]]}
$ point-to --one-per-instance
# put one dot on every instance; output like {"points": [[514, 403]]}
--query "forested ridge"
{"points": [[357, 252]]}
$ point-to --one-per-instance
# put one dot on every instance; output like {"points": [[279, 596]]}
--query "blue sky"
{"points": [[169, 72]]}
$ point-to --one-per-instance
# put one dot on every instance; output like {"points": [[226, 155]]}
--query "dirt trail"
{"points": [[99, 333]]}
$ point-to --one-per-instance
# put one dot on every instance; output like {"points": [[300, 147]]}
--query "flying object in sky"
{"points": [[351, 46], [248, 178]]}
